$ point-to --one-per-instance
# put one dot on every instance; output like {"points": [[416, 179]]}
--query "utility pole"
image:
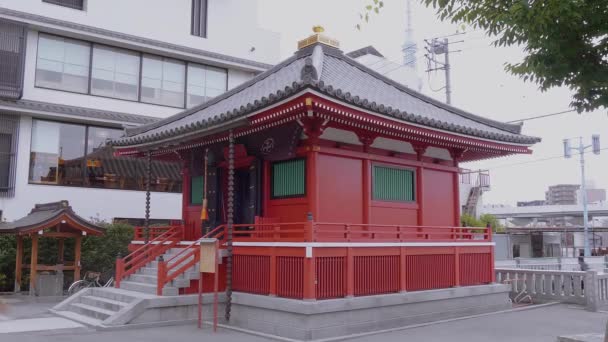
{"points": [[441, 47], [448, 85], [595, 144]]}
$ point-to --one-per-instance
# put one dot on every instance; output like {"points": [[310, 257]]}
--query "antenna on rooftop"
{"points": [[410, 48]]}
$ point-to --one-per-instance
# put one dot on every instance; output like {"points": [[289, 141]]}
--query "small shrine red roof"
{"points": [[49, 215]]}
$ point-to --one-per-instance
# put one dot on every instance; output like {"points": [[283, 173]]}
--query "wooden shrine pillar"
{"points": [[77, 249], [34, 264], [60, 250], [18, 264]]}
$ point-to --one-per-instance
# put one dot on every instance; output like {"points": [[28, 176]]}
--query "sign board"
{"points": [[208, 255]]}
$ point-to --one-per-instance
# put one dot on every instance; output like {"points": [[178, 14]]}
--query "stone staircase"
{"points": [[103, 307], [145, 279]]}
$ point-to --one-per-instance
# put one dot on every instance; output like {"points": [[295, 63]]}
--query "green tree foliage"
{"points": [[565, 41], [7, 262], [484, 220], [98, 253]]}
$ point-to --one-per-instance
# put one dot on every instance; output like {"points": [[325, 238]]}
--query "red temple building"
{"points": [[324, 180]]}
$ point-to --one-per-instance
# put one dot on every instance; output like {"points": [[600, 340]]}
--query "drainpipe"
{"points": [[230, 223]]}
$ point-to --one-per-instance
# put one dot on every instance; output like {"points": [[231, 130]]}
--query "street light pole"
{"points": [[595, 145], [581, 150]]}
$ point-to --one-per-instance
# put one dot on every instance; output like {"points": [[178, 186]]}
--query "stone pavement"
{"points": [[539, 324]]}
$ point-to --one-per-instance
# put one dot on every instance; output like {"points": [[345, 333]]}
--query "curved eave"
{"points": [[221, 121], [71, 219]]}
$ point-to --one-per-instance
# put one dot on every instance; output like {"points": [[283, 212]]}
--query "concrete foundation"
{"points": [[312, 320], [288, 318]]}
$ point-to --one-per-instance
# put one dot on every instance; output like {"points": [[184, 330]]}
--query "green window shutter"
{"points": [[196, 190], [393, 184], [289, 178]]}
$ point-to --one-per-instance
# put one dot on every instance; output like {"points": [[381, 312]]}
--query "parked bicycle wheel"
{"points": [[78, 285]]}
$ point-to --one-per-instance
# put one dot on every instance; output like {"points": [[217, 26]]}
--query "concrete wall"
{"points": [[169, 21]]}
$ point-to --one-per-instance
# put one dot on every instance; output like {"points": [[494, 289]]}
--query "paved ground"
{"points": [[541, 324]]}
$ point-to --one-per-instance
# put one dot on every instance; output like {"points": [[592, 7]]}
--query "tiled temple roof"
{"points": [[45, 216], [328, 71]]}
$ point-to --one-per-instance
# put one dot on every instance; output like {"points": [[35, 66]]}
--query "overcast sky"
{"points": [[480, 85]]}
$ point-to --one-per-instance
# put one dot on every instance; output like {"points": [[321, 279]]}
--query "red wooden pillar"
{"points": [[311, 178], [420, 150], [456, 266], [456, 199], [273, 272], [34, 264], [402, 270], [350, 272], [367, 197], [366, 140], [310, 277], [456, 155]]}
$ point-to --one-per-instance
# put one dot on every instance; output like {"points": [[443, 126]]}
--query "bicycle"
{"points": [[91, 279]]}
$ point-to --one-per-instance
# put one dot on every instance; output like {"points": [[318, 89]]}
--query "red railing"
{"points": [[139, 233], [147, 253], [170, 269], [309, 231], [355, 232]]}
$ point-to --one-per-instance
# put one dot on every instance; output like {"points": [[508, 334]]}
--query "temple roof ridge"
{"points": [[328, 70]]}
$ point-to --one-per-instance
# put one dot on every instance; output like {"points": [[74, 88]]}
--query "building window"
{"points": [[76, 4], [196, 190], [56, 153], [76, 155], [163, 81], [9, 125], [199, 18], [115, 73], [393, 184], [12, 59], [289, 178], [63, 64], [204, 83]]}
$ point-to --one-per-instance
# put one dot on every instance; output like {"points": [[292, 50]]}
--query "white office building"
{"points": [[74, 73]]}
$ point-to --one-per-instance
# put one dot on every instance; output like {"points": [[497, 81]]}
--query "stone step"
{"points": [[154, 264], [144, 278], [191, 273], [91, 311], [104, 303], [74, 316], [113, 294], [180, 281], [148, 288]]}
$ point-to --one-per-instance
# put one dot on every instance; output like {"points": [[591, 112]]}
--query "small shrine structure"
{"points": [[55, 220]]}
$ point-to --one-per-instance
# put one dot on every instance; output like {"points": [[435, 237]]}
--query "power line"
{"points": [[542, 116], [535, 160]]}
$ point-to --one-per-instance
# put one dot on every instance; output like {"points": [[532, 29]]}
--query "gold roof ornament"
{"points": [[318, 37]]}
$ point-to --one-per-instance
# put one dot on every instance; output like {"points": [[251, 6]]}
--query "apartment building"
{"points": [[74, 73]]}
